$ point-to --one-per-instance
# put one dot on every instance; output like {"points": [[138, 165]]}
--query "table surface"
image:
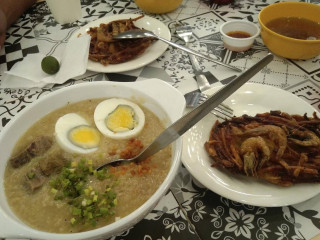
{"points": [[188, 210]]}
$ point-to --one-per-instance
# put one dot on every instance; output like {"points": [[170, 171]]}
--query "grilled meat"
{"points": [[106, 50]]}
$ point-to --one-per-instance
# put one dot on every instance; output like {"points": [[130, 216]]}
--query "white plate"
{"points": [[152, 53], [249, 99]]}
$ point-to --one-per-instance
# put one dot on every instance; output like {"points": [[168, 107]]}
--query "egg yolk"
{"points": [[121, 119], [84, 136]]}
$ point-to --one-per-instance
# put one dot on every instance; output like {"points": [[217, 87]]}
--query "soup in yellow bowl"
{"points": [[291, 29]]}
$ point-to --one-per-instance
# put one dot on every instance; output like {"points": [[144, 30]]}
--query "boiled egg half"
{"points": [[75, 135], [118, 118]]}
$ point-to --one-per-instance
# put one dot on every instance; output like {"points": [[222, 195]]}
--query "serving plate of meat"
{"points": [[267, 155], [110, 56]]}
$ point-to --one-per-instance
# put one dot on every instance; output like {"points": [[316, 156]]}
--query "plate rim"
{"points": [[225, 191], [133, 64]]}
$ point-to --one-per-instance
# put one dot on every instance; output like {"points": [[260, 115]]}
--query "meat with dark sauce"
{"points": [[107, 50]]}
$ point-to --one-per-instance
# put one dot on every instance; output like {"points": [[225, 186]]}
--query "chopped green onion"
{"points": [[74, 164], [31, 175], [54, 191], [76, 211], [87, 204], [104, 210], [86, 191], [73, 221]]}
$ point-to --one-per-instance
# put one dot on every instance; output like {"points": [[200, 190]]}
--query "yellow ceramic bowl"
{"points": [[284, 46], [158, 6]]}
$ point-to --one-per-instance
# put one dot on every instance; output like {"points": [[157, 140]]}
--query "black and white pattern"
{"points": [[188, 210], [15, 49]]}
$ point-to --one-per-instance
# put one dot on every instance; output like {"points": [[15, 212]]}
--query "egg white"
{"points": [[62, 128], [108, 106]]}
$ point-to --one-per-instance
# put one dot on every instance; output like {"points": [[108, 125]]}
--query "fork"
{"points": [[195, 98]]}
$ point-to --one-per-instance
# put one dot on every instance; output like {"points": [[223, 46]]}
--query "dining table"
{"points": [[188, 210]]}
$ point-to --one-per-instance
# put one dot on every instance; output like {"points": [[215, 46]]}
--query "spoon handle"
{"points": [[179, 127], [188, 50]]}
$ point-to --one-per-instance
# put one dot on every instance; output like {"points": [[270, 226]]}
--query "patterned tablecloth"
{"points": [[188, 210]]}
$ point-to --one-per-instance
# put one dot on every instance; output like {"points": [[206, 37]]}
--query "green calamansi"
{"points": [[50, 65]]}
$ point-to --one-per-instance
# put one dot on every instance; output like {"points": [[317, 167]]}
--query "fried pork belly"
{"points": [[106, 50], [277, 147]]}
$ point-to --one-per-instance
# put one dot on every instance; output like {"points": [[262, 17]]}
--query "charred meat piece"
{"points": [[38, 147], [106, 50], [281, 148]]}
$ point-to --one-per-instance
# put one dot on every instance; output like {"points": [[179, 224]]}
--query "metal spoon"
{"points": [[191, 118], [141, 33]]}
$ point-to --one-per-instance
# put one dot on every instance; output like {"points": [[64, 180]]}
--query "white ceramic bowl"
{"points": [[239, 44], [149, 93]]}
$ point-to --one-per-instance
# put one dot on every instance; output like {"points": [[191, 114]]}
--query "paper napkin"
{"points": [[28, 72]]}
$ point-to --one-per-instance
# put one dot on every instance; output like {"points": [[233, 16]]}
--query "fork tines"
{"points": [[222, 111]]}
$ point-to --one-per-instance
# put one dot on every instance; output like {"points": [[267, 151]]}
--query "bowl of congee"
{"points": [[50, 151], [291, 29]]}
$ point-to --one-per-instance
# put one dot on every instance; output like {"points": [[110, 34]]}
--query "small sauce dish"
{"points": [[239, 35]]}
